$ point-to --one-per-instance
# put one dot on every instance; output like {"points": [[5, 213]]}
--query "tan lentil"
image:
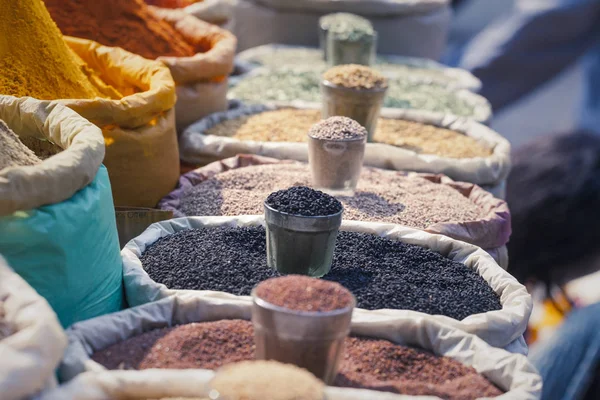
{"points": [[292, 125], [353, 76]]}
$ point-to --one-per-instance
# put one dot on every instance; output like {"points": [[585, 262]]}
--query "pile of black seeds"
{"points": [[381, 273], [338, 128], [304, 201]]}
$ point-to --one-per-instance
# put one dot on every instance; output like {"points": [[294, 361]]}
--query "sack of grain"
{"points": [[201, 79], [56, 215], [32, 341], [139, 129], [489, 230], [214, 138], [258, 22], [284, 56], [216, 12], [502, 327], [509, 372]]}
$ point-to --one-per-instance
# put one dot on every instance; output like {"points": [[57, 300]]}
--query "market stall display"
{"points": [[199, 55], [445, 347], [31, 338], [154, 268], [57, 217]]}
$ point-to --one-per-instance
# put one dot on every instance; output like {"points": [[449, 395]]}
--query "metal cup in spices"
{"points": [[302, 226], [356, 92], [336, 149], [350, 29], [302, 321]]}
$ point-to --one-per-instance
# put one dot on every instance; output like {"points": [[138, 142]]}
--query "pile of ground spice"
{"points": [[129, 24], [206, 345], [382, 365], [262, 380], [292, 125], [353, 76], [13, 153], [35, 60], [301, 293], [381, 196], [338, 128]]}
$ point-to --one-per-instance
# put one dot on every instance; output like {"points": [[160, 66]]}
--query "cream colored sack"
{"points": [[510, 372], [503, 328], [216, 12], [199, 148], [31, 339], [201, 79], [59, 177], [142, 156]]}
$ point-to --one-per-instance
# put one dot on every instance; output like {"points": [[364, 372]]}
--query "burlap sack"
{"points": [[139, 130], [270, 55], [490, 232], [503, 328], [416, 28], [511, 372], [216, 12], [198, 148], [31, 339], [57, 219]]}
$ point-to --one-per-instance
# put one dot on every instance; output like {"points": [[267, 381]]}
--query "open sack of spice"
{"points": [[435, 203], [130, 98], [398, 23], [284, 56], [182, 333], [32, 341], [448, 280], [403, 140], [56, 208], [198, 54], [301, 84]]}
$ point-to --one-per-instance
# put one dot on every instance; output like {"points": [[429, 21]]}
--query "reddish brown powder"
{"points": [[301, 293], [119, 23], [385, 366]]}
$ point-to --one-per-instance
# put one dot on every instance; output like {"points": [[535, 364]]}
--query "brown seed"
{"points": [[353, 76], [292, 125], [301, 293]]}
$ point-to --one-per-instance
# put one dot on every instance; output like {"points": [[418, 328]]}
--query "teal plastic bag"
{"points": [[69, 252]]}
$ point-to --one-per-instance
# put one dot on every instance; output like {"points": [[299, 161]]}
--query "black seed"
{"points": [[381, 273], [304, 201]]}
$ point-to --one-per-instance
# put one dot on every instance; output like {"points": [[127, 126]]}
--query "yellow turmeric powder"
{"points": [[35, 61]]}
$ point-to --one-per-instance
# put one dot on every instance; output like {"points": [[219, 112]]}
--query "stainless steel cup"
{"points": [[362, 105], [301, 245], [340, 51], [336, 164], [310, 340]]}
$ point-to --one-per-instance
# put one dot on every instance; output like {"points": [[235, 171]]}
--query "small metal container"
{"points": [[362, 105], [301, 245], [342, 51], [132, 221], [310, 340], [335, 165]]}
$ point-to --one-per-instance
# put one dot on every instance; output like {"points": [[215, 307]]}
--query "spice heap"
{"points": [[207, 345], [367, 363], [288, 84], [338, 128], [304, 201], [260, 380], [37, 62], [301, 293], [291, 125], [357, 77], [385, 366], [374, 269], [381, 196], [13, 152], [128, 24]]}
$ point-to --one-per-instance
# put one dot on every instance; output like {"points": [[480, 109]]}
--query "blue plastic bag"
{"points": [[69, 252]]}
